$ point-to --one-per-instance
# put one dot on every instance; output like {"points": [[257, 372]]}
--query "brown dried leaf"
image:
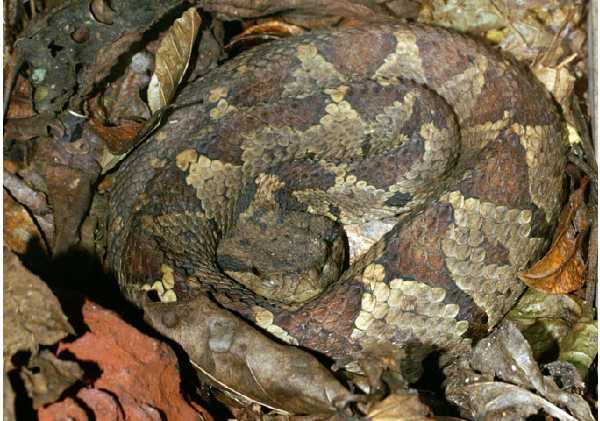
{"points": [[172, 59], [105, 61], [558, 80], [240, 360], [562, 269], [20, 231], [9, 400], [118, 139], [32, 314], [27, 128], [47, 377], [139, 375], [21, 103], [70, 171], [406, 407], [121, 100], [261, 33], [101, 11], [236, 9]]}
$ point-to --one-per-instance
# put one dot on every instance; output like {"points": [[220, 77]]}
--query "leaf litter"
{"points": [[559, 329]]}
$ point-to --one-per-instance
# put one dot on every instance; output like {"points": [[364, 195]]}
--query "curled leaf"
{"points": [[562, 269], [262, 32], [172, 59]]}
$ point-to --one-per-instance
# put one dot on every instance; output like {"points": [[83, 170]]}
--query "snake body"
{"points": [[364, 193]]}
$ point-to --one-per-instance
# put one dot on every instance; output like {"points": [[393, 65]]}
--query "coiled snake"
{"points": [[369, 192]]}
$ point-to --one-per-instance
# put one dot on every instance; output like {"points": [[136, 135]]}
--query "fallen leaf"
{"points": [[261, 33], [562, 269], [105, 61], [118, 139], [9, 410], [101, 11], [27, 128], [32, 314], [46, 377], [238, 359], [172, 59], [121, 100], [70, 170], [566, 376], [20, 231], [550, 322], [406, 407], [36, 206], [21, 103], [580, 346], [501, 380], [139, 377]]}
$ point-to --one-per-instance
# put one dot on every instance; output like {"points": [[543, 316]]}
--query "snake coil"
{"points": [[369, 192]]}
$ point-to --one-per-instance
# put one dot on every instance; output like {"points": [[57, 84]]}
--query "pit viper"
{"points": [[366, 193]]}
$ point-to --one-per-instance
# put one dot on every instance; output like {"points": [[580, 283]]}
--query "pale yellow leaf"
{"points": [[172, 59]]}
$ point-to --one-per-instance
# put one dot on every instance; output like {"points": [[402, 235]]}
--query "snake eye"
{"points": [[255, 271]]}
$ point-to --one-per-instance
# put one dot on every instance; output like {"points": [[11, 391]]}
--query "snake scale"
{"points": [[363, 193]]}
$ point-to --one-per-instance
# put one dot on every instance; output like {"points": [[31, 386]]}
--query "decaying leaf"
{"points": [[70, 171], [121, 101], [21, 102], [20, 231], [549, 321], [36, 206], [406, 407], [118, 139], [236, 358], [580, 346], [47, 377], [138, 376], [172, 59], [501, 380], [32, 314], [562, 269]]}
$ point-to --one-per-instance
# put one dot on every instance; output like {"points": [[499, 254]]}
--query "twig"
{"points": [[13, 71], [592, 269], [583, 166]]}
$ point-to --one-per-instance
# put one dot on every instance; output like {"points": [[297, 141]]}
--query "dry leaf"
{"points": [[47, 377], [406, 407], [500, 380], [21, 103], [138, 376], [102, 12], [562, 269], [241, 361], [172, 59], [118, 139], [32, 314], [20, 231], [262, 32]]}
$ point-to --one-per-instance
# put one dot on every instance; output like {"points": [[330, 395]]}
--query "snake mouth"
{"points": [[289, 258]]}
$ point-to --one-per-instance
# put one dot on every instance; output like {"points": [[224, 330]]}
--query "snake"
{"points": [[364, 193]]}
